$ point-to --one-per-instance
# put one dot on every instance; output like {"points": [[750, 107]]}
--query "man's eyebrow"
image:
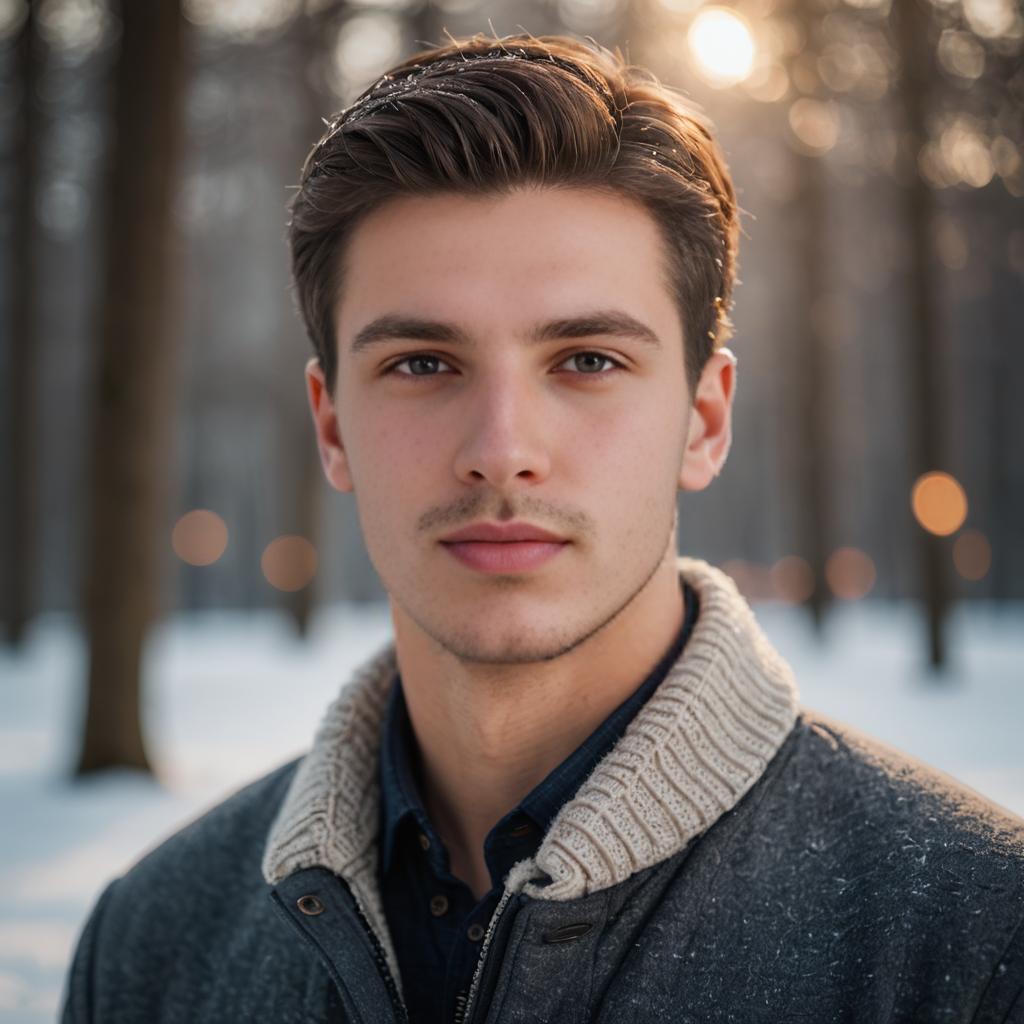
{"points": [[613, 322]]}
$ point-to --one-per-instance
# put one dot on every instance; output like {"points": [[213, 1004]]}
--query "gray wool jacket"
{"points": [[735, 857]]}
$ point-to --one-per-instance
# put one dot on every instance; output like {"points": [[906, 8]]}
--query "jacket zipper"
{"points": [[467, 1015], [382, 961]]}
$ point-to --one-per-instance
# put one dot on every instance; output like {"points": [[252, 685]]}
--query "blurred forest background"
{"points": [[156, 452]]}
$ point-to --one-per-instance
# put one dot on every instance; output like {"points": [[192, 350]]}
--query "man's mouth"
{"points": [[504, 547]]}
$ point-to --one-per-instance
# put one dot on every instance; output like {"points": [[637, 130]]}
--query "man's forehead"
{"points": [[546, 264]]}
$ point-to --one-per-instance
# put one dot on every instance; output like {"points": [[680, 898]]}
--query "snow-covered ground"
{"points": [[232, 695]]}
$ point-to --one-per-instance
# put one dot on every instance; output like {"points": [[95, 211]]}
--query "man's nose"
{"points": [[504, 438]]}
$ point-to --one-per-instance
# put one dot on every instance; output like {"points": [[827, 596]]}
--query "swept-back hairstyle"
{"points": [[487, 115]]}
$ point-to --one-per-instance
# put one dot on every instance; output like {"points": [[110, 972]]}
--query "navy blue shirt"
{"points": [[436, 924]]}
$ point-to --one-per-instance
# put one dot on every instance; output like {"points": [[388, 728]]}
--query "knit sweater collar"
{"points": [[696, 747]]}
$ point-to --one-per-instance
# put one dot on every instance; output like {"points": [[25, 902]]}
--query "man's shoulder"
{"points": [[853, 815], [223, 845], [853, 859], [180, 928], [852, 775]]}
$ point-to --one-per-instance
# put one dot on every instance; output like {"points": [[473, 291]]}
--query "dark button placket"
{"points": [[321, 909]]}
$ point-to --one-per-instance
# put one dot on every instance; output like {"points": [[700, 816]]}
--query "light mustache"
{"points": [[476, 508]]}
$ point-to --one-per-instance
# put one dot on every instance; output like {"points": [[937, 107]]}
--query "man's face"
{"points": [[522, 396]]}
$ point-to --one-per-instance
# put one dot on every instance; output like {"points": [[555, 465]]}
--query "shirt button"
{"points": [[438, 905], [424, 841], [475, 932], [521, 830]]}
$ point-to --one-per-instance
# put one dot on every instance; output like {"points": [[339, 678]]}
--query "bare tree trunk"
{"points": [[19, 533], [813, 403], [927, 347], [301, 461], [130, 444]]}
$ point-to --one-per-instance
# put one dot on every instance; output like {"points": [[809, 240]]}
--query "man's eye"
{"points": [[592, 363], [418, 366]]}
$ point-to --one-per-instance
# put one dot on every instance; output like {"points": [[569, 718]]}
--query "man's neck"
{"points": [[487, 734]]}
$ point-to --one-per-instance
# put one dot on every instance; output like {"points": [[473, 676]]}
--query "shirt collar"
{"points": [[399, 796]]}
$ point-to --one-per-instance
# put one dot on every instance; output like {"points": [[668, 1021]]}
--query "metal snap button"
{"points": [[567, 933], [310, 905], [475, 932], [438, 905], [424, 841]]}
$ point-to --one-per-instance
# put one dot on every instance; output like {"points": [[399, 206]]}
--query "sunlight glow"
{"points": [[722, 46]]}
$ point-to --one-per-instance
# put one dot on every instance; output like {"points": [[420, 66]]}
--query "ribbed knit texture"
{"points": [[694, 749]]}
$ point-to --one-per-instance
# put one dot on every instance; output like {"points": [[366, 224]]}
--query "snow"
{"points": [[231, 695]]}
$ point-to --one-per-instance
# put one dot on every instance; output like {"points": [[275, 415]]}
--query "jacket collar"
{"points": [[696, 747]]}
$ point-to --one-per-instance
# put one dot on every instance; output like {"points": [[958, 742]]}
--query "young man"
{"points": [[578, 785]]}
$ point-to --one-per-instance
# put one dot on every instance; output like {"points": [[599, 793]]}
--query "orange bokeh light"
{"points": [[939, 503], [850, 574], [199, 537], [972, 555], [289, 563]]}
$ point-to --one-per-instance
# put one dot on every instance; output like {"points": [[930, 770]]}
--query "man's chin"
{"points": [[506, 638], [489, 647]]}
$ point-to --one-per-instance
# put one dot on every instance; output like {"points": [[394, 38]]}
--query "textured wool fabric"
{"points": [[698, 745]]}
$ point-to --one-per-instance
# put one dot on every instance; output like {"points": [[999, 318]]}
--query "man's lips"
{"points": [[503, 533], [503, 547]]}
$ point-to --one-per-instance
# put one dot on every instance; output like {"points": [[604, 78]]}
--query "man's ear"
{"points": [[710, 430], [328, 429]]}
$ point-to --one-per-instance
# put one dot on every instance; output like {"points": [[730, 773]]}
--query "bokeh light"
{"points": [[850, 574], [972, 555], [962, 154], [961, 54], [792, 579], [815, 125], [73, 25], [589, 15], [990, 18], [289, 563], [367, 44], [241, 20], [939, 503], [199, 537], [722, 46]]}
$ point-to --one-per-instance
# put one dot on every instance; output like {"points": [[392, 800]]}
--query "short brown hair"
{"points": [[487, 115]]}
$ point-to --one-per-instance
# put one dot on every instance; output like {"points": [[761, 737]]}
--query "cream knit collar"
{"points": [[694, 749]]}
